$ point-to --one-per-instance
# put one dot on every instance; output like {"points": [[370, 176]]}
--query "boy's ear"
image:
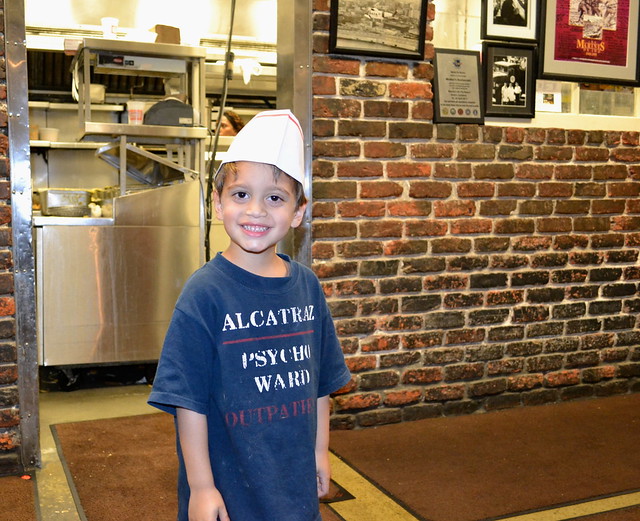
{"points": [[217, 204], [298, 215]]}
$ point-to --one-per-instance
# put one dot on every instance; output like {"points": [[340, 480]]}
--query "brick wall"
{"points": [[9, 406], [468, 268]]}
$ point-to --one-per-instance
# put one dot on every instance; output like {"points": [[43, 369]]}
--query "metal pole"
{"points": [[23, 257]]}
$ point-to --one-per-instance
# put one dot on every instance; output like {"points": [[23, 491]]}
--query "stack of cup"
{"points": [[135, 110]]}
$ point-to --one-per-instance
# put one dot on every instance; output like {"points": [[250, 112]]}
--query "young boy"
{"points": [[251, 353]]}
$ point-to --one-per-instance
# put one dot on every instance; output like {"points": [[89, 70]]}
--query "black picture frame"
{"points": [[510, 72], [457, 87], [385, 30], [510, 20], [574, 47]]}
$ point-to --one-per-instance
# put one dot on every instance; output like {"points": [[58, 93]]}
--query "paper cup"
{"points": [[136, 111], [49, 134]]}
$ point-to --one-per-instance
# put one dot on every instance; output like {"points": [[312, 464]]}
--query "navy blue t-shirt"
{"points": [[253, 354]]}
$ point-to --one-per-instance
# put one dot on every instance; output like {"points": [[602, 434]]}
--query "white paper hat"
{"points": [[273, 137]]}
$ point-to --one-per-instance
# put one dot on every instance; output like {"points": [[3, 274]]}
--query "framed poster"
{"points": [[510, 79], [457, 95], [392, 29], [594, 41], [510, 20]]}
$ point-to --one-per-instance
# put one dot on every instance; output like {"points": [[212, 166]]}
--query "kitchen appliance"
{"points": [[64, 202]]}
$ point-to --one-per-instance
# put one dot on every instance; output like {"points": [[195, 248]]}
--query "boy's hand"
{"points": [[207, 505], [323, 472]]}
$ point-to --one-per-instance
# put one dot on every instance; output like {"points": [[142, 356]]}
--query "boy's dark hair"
{"points": [[232, 168]]}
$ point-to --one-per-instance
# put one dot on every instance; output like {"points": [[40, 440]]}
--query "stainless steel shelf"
{"points": [[69, 145], [159, 131]]}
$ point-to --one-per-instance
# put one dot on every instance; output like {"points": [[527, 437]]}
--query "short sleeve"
{"points": [[183, 377]]}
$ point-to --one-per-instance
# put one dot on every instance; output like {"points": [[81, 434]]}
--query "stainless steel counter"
{"points": [[51, 220], [106, 290]]}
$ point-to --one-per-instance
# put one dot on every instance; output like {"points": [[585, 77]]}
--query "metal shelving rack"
{"points": [[122, 57]]}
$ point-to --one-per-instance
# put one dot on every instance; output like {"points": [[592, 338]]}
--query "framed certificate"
{"points": [[457, 87]]}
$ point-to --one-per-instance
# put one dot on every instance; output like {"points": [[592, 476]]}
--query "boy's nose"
{"points": [[256, 207]]}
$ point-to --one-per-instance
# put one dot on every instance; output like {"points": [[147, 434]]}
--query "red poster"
{"points": [[594, 31]]}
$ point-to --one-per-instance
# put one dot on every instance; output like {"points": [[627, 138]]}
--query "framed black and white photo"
{"points": [[457, 87], [510, 20], [391, 29], [509, 79]]}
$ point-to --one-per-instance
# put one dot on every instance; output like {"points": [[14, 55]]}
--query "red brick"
{"points": [[361, 363], [432, 150], [409, 208], [430, 189], [444, 393], [395, 70], [471, 226], [361, 209], [356, 402], [402, 397], [562, 378], [408, 169], [360, 169], [477, 189], [423, 375], [425, 228], [422, 110], [380, 189], [336, 66], [411, 90], [384, 149], [324, 85]]}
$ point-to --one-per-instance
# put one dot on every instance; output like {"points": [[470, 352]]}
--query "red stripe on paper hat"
{"points": [[273, 137]]}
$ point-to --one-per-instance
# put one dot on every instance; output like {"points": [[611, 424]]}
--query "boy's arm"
{"points": [[323, 469], [205, 503]]}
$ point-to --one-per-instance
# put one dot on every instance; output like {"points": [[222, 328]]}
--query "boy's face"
{"points": [[257, 211]]}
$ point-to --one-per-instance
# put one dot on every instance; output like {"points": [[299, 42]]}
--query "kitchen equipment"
{"points": [[49, 134], [171, 111], [65, 202], [97, 93], [144, 166]]}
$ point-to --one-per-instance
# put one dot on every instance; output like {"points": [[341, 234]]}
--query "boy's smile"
{"points": [[257, 211]]}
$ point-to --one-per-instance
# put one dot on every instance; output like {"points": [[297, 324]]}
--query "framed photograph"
{"points": [[392, 29], [457, 87], [510, 79], [510, 20], [591, 41]]}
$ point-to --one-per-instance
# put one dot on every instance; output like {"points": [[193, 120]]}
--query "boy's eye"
{"points": [[240, 195], [275, 198]]}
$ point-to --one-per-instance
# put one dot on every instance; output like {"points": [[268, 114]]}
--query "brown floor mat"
{"points": [[17, 499], [124, 468], [483, 466]]}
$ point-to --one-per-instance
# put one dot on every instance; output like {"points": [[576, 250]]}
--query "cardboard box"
{"points": [[167, 34]]}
